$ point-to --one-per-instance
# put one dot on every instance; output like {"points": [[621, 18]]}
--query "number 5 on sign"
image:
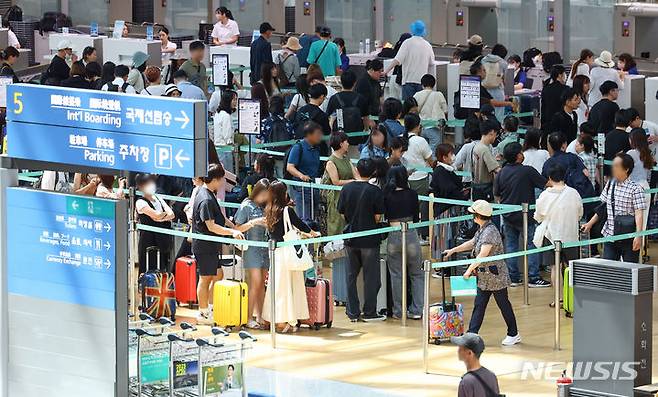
{"points": [[18, 102]]}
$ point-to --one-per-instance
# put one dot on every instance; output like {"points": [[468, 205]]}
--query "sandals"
{"points": [[288, 329]]}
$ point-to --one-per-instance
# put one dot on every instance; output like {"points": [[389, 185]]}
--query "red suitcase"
{"points": [[186, 280], [320, 303]]}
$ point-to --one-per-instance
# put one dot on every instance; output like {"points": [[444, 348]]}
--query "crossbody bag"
{"points": [[321, 51], [622, 224]]}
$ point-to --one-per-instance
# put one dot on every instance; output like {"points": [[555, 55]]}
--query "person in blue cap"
{"points": [[416, 58], [136, 77]]}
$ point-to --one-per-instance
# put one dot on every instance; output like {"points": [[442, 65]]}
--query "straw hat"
{"points": [[605, 60], [481, 207], [292, 44]]}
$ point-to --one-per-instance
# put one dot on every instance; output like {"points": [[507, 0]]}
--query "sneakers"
{"points": [[511, 340], [516, 283], [414, 316], [204, 318], [539, 283], [373, 318]]}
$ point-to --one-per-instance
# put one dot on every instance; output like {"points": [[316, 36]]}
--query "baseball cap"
{"points": [[64, 44], [476, 39], [471, 341], [481, 207], [266, 27], [325, 31]]}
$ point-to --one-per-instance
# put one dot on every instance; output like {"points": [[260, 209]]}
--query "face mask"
{"points": [[537, 59], [150, 189]]}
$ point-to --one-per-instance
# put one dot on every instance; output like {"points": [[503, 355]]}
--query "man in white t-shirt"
{"points": [[416, 57], [649, 127], [226, 31]]}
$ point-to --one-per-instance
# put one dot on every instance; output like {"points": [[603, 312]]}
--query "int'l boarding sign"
{"points": [[107, 130]]}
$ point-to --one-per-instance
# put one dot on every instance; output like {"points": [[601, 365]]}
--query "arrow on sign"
{"points": [[108, 245], [108, 264], [180, 158], [108, 227], [75, 205], [183, 119]]}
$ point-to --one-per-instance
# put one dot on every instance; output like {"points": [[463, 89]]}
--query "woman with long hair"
{"points": [[290, 290], [402, 205], [315, 76], [263, 169], [167, 47], [301, 98], [533, 154], [582, 66], [255, 259], [581, 84], [643, 162], [107, 74], [551, 96], [223, 130], [266, 87], [106, 189], [344, 59]]}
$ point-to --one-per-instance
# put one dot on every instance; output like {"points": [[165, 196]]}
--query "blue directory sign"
{"points": [[107, 111], [62, 247], [107, 130], [100, 149]]}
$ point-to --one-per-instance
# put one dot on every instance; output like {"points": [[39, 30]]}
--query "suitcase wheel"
{"points": [[329, 324], [317, 327], [437, 341], [568, 314]]}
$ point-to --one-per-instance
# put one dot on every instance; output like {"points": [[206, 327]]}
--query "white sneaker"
{"points": [[511, 340], [204, 319]]}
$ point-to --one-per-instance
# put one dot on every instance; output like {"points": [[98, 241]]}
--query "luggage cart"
{"points": [[183, 363], [145, 324], [221, 365]]}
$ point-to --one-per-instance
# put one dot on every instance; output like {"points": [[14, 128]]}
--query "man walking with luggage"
{"points": [[362, 204], [477, 381]]}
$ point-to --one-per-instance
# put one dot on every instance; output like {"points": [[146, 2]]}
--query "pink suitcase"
{"points": [[320, 303]]}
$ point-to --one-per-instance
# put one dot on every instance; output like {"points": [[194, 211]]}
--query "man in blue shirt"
{"points": [[187, 89], [305, 41], [304, 164], [261, 51], [577, 175], [325, 53]]}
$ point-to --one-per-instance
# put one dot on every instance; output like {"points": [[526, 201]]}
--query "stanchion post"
{"points": [[526, 295], [405, 228], [426, 317], [271, 284], [556, 291], [599, 167], [132, 235]]}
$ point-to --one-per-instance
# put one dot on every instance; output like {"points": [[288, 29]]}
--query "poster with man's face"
{"points": [[223, 380]]}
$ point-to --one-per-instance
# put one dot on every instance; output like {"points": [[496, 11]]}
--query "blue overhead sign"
{"points": [[107, 111], [62, 247], [116, 131], [100, 149]]}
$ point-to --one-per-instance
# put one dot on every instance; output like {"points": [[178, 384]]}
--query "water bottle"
{"points": [[367, 46], [564, 385], [361, 47]]}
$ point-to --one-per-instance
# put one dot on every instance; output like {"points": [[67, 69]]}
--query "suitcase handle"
{"points": [[148, 257]]}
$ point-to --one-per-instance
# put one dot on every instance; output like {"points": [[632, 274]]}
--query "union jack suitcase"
{"points": [[158, 290]]}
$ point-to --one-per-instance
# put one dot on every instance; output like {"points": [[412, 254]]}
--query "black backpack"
{"points": [[460, 112], [298, 126], [286, 174], [352, 120], [279, 133], [115, 88]]}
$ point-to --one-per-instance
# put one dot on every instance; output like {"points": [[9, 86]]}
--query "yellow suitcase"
{"points": [[230, 303]]}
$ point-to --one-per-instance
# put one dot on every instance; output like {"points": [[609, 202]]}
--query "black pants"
{"points": [[368, 259], [621, 250], [502, 300]]}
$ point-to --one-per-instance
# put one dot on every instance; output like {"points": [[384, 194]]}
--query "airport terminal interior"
{"points": [[275, 198]]}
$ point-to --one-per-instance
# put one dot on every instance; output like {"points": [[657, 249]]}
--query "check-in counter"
{"points": [[452, 87], [120, 51], [651, 102], [78, 43], [632, 95]]}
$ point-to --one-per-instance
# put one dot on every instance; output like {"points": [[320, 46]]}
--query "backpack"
{"points": [[286, 174], [352, 120], [280, 131], [115, 88], [576, 179], [298, 126], [284, 79], [494, 77]]}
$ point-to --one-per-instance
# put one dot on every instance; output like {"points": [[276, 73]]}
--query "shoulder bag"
{"points": [[321, 51], [296, 257], [622, 224], [487, 388]]}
